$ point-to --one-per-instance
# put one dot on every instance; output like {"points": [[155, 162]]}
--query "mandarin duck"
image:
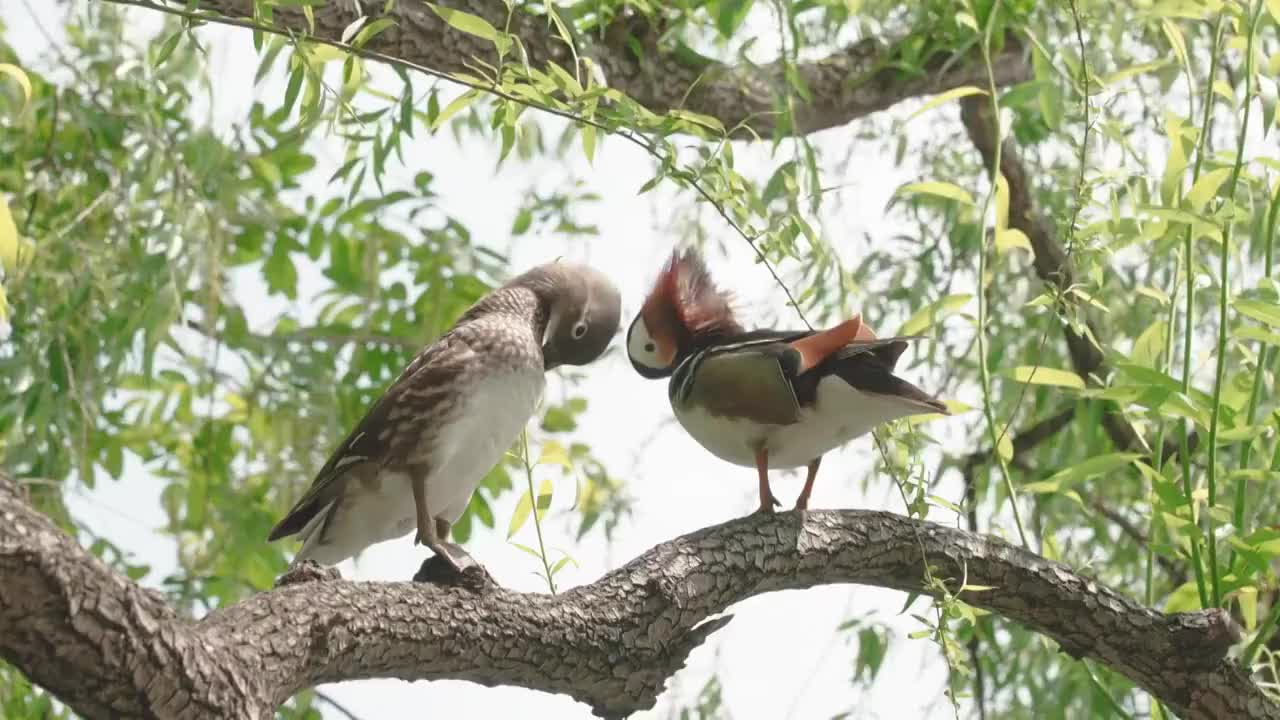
{"points": [[765, 398], [423, 447]]}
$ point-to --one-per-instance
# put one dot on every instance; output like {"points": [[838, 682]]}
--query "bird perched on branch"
{"points": [[423, 448], [765, 398]]}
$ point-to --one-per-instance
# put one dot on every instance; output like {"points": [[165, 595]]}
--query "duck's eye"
{"points": [[579, 330], [649, 347]]}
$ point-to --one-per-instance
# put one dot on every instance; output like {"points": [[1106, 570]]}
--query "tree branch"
{"points": [[102, 644], [858, 80], [1052, 262], [1028, 440], [1176, 571], [110, 649], [328, 700]]}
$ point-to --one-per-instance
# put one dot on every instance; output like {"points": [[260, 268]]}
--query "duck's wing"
{"points": [[745, 379], [419, 396]]}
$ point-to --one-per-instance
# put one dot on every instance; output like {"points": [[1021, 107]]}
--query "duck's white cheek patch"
{"points": [[641, 345]]}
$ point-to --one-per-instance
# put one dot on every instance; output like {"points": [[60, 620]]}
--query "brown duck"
{"points": [[415, 459]]}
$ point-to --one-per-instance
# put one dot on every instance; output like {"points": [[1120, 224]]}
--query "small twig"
{"points": [[534, 509], [1051, 261], [1224, 302], [979, 676], [929, 579], [340, 338], [974, 644], [1188, 251], [1101, 689], [1173, 569], [1264, 634], [46, 161], [331, 702], [102, 197], [821, 661], [1028, 439], [984, 371], [1075, 211]]}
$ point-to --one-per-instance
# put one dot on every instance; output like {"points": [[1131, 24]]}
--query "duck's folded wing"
{"points": [[888, 349], [746, 381], [416, 396], [868, 367]]}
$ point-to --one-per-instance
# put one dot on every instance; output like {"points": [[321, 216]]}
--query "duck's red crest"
{"points": [[690, 297]]}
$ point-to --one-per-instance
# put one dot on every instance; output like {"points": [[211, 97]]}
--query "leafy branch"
{"points": [[984, 372], [537, 503], [520, 94]]}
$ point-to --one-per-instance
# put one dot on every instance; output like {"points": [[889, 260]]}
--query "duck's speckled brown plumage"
{"points": [[452, 412]]}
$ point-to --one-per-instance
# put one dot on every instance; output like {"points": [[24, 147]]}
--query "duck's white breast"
{"points": [[839, 414], [495, 410]]}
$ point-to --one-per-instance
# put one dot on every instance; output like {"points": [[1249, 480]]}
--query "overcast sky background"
{"points": [[780, 657]]}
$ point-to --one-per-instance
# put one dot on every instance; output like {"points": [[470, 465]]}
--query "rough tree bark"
{"points": [[854, 82], [111, 649]]}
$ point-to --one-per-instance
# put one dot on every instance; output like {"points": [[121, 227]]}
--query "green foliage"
{"points": [[709, 704], [161, 364], [20, 699], [1147, 129], [873, 639]]}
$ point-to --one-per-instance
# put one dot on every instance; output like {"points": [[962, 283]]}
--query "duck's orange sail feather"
{"points": [[817, 347]]}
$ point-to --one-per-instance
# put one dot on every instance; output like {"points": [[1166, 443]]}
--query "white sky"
{"points": [[779, 658]]}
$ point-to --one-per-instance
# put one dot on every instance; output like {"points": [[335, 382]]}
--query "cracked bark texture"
{"points": [[848, 84], [111, 649]]}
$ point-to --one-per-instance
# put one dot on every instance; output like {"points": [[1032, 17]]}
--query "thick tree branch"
{"points": [[110, 649], [861, 79], [98, 641], [1052, 262], [1032, 438], [1027, 440]]}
